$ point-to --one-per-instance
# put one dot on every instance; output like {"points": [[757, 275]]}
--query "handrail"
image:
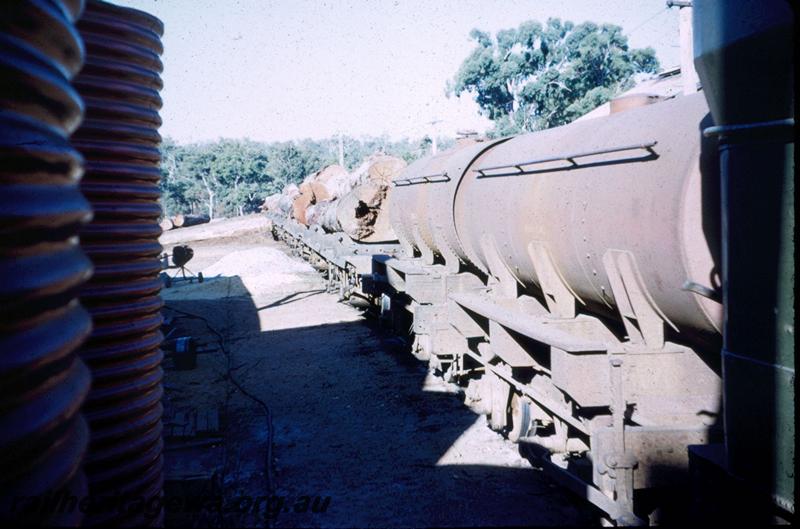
{"points": [[568, 157], [427, 179]]}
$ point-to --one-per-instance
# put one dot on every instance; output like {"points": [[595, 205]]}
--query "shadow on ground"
{"points": [[353, 418]]}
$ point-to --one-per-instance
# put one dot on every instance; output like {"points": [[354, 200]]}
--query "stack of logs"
{"points": [[336, 200]]}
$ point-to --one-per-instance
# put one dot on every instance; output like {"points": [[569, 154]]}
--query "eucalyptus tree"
{"points": [[538, 76]]}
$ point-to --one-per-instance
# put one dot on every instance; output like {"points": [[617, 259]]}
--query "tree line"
{"points": [[233, 177]]}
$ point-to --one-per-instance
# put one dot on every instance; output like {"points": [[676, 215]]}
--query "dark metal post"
{"points": [[743, 53]]}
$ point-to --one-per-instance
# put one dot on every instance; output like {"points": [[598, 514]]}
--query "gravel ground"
{"points": [[355, 417]]}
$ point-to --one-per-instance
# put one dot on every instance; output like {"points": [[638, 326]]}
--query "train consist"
{"points": [[568, 280], [571, 282]]}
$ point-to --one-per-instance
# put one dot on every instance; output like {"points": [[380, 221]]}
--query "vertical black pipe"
{"points": [[744, 58]]}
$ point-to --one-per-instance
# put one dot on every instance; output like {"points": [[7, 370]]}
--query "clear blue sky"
{"points": [[289, 69]]}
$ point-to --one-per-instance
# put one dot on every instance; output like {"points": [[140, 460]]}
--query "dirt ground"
{"points": [[355, 418]]}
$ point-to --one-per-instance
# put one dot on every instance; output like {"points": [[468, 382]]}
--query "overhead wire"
{"points": [[639, 26]]}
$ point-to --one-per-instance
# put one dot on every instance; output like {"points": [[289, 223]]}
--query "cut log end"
{"points": [[363, 213]]}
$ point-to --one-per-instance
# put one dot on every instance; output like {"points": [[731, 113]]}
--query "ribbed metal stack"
{"points": [[120, 85], [42, 381]]}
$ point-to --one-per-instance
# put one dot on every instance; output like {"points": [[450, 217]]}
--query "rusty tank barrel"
{"points": [[423, 199], [632, 195], [120, 84], [43, 382]]}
